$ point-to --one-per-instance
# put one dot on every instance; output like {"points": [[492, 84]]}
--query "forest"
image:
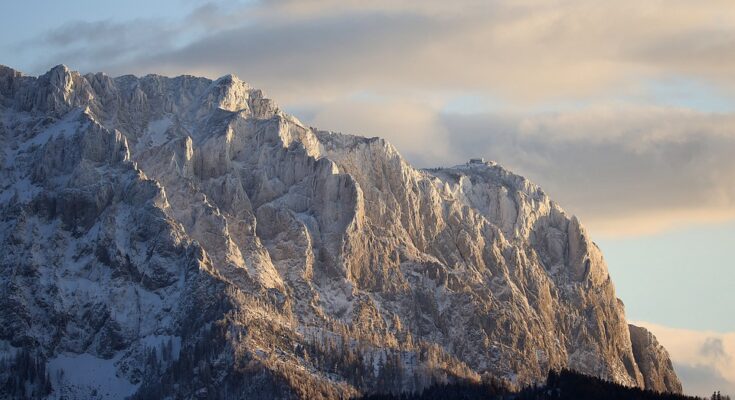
{"points": [[192, 372], [560, 385]]}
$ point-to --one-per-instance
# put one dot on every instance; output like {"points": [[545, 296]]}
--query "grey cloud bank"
{"points": [[701, 379], [625, 171]]}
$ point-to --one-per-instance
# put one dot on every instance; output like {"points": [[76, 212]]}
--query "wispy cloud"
{"points": [[624, 170]]}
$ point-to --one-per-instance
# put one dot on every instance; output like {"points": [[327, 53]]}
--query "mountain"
{"points": [[185, 237]]}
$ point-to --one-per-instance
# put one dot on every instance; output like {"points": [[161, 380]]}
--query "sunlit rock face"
{"points": [[653, 361], [188, 238]]}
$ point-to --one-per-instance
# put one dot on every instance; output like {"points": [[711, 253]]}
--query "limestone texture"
{"points": [[191, 240]]}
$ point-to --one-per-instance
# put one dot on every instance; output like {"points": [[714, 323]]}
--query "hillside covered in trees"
{"points": [[561, 385]]}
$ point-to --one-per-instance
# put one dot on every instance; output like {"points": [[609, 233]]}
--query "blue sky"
{"points": [[622, 111], [679, 275]]}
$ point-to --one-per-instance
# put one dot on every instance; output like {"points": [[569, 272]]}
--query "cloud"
{"points": [[702, 380], [714, 349], [524, 51], [703, 360], [415, 129], [89, 45], [604, 152], [624, 170]]}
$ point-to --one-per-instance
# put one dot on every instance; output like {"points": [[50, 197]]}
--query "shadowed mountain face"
{"points": [[187, 238]]}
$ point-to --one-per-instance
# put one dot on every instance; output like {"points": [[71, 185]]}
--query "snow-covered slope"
{"points": [[184, 237]]}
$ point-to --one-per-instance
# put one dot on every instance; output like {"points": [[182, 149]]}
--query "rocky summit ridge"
{"points": [[184, 237]]}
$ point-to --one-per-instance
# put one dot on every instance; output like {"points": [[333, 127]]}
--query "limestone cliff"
{"points": [[189, 239], [653, 361]]}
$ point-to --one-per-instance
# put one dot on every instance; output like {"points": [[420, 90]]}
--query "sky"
{"points": [[623, 111]]}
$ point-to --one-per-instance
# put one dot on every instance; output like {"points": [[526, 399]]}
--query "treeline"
{"points": [[356, 363], [561, 385], [190, 372], [451, 391], [207, 368], [394, 370], [26, 376], [568, 384]]}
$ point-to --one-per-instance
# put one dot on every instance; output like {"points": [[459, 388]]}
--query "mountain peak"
{"points": [[232, 93], [5, 71], [60, 76], [229, 79], [154, 224], [59, 68]]}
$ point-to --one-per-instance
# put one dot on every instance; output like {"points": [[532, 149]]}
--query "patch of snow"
{"points": [[157, 129], [24, 189], [159, 341], [65, 127], [84, 376], [155, 135]]}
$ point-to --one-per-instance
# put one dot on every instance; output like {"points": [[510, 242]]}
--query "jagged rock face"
{"points": [[653, 360], [194, 240]]}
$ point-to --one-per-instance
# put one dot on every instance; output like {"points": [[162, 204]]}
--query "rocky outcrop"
{"points": [[195, 240], [654, 361]]}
